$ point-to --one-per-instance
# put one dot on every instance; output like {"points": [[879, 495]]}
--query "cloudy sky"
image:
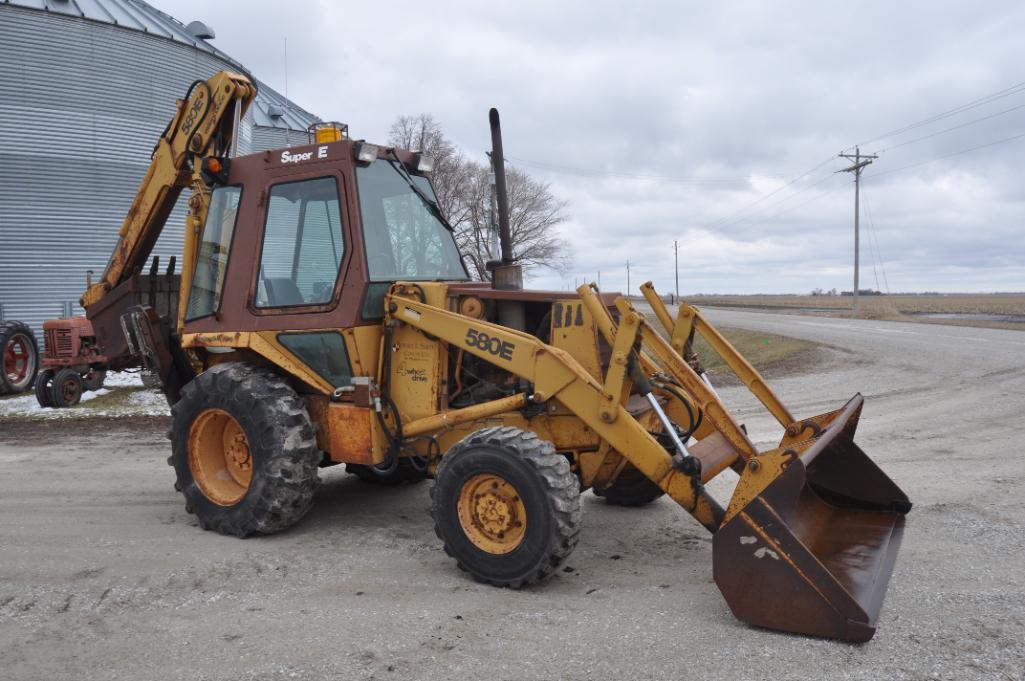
{"points": [[714, 124]]}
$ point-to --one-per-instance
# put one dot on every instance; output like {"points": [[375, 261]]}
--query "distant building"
{"points": [[86, 88]]}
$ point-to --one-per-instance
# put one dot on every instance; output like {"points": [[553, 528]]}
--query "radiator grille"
{"points": [[59, 343]]}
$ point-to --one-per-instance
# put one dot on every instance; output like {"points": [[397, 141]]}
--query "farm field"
{"points": [[963, 309]]}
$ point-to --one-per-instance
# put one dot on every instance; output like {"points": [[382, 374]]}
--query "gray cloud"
{"points": [[760, 92]]}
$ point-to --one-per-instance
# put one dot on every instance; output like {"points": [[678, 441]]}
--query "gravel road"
{"points": [[104, 576]]}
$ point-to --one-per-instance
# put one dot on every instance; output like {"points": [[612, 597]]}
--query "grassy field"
{"points": [[1007, 310], [769, 353]]}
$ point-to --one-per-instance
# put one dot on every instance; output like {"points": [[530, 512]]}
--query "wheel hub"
{"points": [[491, 513], [238, 450], [219, 457], [70, 391]]}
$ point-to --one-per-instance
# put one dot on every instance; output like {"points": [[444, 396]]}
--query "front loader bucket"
{"points": [[812, 534]]}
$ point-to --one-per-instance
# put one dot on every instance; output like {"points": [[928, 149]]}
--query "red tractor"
{"points": [[77, 356], [73, 363]]}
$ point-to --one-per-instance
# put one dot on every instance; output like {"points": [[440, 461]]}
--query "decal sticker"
{"points": [[490, 344]]}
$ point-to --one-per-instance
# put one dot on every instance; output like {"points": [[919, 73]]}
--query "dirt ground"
{"points": [[103, 575]]}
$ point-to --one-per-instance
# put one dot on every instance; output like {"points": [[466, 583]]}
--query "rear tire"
{"points": [[94, 379], [506, 506], [44, 383], [19, 357], [244, 451], [631, 488], [66, 389], [404, 473]]}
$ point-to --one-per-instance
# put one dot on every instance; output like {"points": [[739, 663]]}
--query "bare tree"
{"points": [[534, 214], [423, 133], [464, 195]]}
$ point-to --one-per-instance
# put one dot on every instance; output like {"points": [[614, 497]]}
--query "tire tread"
{"points": [[562, 489], [278, 422]]}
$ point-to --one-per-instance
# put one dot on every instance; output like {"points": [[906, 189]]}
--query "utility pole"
{"points": [[676, 258], [859, 163], [628, 278]]}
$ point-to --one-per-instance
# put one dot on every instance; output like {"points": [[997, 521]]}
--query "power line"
{"points": [[683, 179], [875, 238], [802, 204], [726, 221], [777, 204], [981, 101], [819, 182], [1000, 94], [956, 127], [940, 158], [872, 251]]}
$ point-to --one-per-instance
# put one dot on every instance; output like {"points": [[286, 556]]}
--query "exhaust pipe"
{"points": [[498, 162], [505, 273]]}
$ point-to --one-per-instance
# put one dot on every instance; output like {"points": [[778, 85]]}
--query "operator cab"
{"points": [[313, 236]]}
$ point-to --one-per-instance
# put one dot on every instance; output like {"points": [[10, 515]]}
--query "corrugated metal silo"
{"points": [[86, 88]]}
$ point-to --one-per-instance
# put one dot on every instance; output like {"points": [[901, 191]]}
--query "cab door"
{"points": [[300, 268]]}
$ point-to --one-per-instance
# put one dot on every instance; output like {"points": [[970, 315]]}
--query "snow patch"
{"points": [[137, 401]]}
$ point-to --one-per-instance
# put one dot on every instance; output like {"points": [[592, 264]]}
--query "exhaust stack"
{"points": [[505, 273]]}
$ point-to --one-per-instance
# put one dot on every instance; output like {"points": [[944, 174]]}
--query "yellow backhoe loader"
{"points": [[325, 317]]}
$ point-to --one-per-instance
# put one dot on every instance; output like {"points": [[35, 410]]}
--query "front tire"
{"points": [[66, 389], [244, 451], [507, 506]]}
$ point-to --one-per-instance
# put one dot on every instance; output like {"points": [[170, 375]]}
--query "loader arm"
{"points": [[203, 125], [555, 374]]}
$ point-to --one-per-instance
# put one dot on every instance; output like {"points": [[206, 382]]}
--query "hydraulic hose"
{"points": [[694, 423]]}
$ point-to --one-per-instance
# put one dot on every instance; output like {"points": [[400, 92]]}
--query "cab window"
{"points": [[212, 258], [404, 238], [302, 244]]}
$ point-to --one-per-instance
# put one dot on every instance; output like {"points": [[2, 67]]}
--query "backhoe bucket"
{"points": [[812, 533]]}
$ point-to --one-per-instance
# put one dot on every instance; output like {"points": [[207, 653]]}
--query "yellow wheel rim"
{"points": [[219, 457], [492, 513]]}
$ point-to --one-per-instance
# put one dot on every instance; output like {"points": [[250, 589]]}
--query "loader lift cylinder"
{"points": [[683, 459]]}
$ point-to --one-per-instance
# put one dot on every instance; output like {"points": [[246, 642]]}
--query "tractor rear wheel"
{"points": [[630, 488], [94, 378], [507, 506], [19, 357], [404, 473], [66, 388], [244, 451]]}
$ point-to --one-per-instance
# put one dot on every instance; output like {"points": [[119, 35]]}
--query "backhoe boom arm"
{"points": [[203, 125]]}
